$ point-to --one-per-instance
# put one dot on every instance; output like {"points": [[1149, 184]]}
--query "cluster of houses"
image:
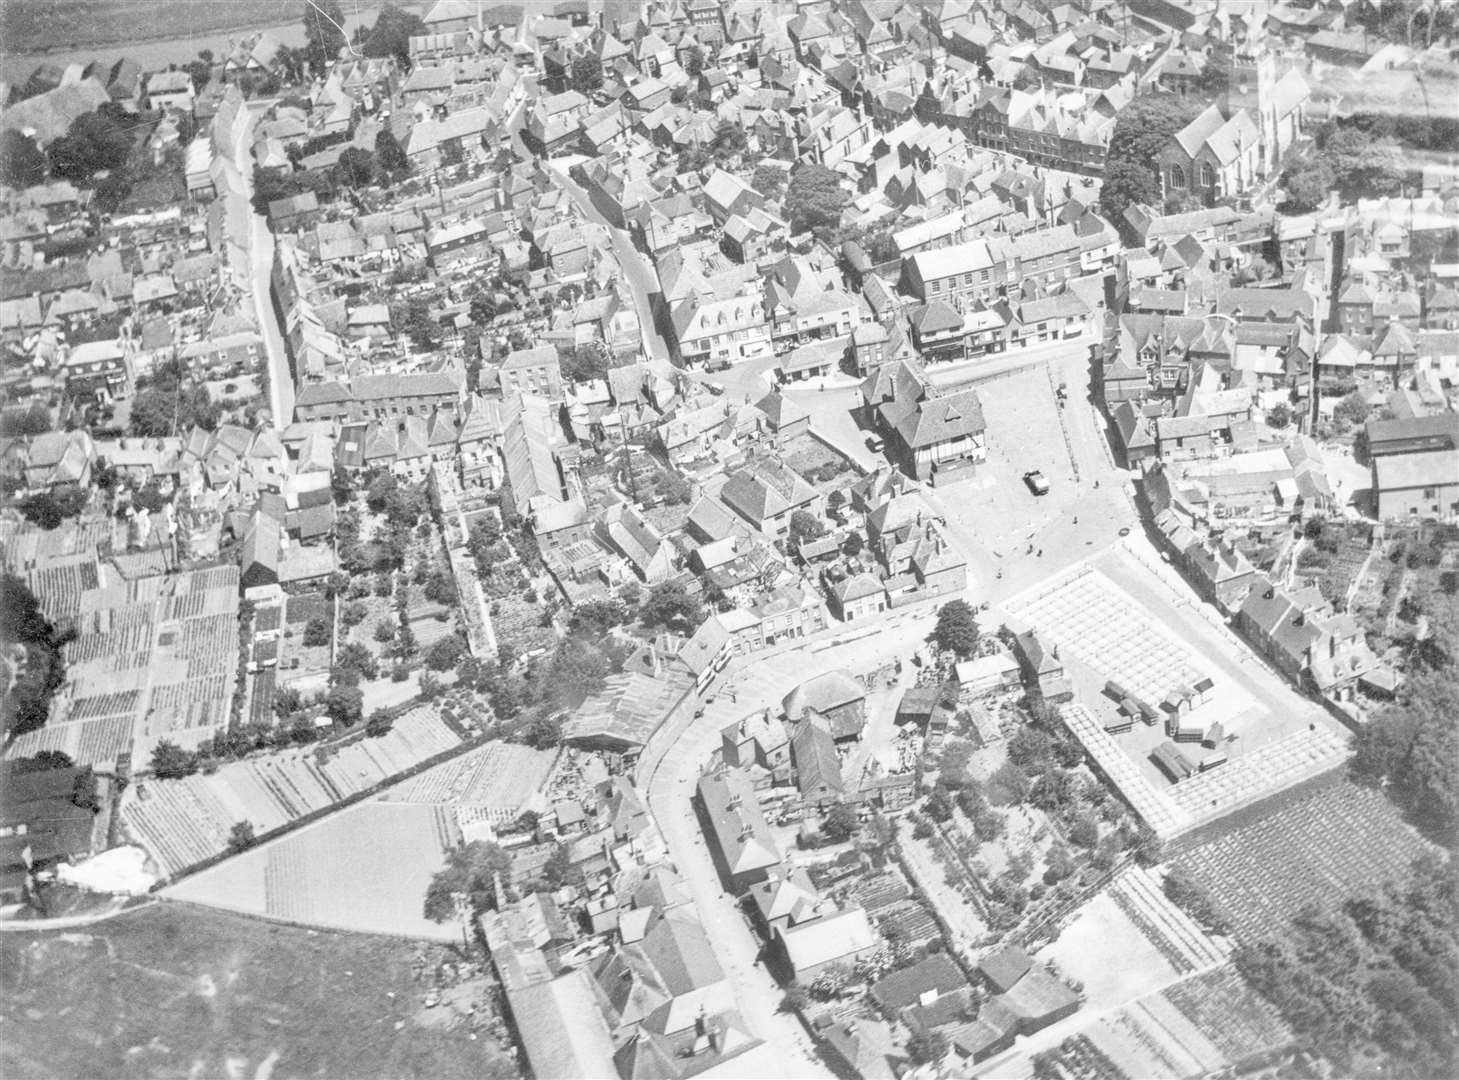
{"points": [[609, 971]]}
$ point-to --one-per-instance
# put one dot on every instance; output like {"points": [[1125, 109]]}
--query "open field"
{"points": [[174, 990], [32, 27], [1327, 846], [365, 868]]}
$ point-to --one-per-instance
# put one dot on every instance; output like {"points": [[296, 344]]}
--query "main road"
{"points": [[261, 259]]}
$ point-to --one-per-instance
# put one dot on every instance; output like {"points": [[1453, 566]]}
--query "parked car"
{"points": [[1036, 482]]}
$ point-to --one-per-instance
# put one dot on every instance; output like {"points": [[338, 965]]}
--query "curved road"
{"points": [[677, 753]]}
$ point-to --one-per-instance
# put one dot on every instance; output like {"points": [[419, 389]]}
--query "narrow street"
{"points": [[638, 271], [261, 256]]}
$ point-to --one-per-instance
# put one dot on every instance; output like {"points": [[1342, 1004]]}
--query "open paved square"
{"points": [[1024, 433]]}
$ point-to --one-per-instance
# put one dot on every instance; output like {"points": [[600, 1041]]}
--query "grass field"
{"points": [[33, 25], [1338, 841], [173, 990]]}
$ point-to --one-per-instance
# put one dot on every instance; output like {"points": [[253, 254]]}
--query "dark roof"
{"points": [[1005, 967], [937, 973], [41, 801]]}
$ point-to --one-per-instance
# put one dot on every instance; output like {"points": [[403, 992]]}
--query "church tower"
{"points": [[1251, 76]]}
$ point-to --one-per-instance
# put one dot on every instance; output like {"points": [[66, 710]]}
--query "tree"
{"points": [[316, 632], [94, 143], [814, 198], [345, 705], [324, 34], [42, 761], [957, 628], [356, 167], [1409, 749], [841, 822], [170, 402], [172, 762], [1009, 784], [471, 871], [586, 74], [379, 724], [668, 604], [541, 732], [22, 164], [694, 62], [45, 509], [84, 793], [1142, 130], [1084, 830], [444, 653], [586, 362], [413, 318], [391, 34], [381, 486], [769, 180], [927, 1046], [241, 836], [938, 806], [805, 526], [1309, 181], [390, 154], [1059, 865], [356, 658], [1279, 415], [1052, 790]]}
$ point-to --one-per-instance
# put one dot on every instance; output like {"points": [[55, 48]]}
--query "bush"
{"points": [[384, 631], [172, 762], [316, 632]]}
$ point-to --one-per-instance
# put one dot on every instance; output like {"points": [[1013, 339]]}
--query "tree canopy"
{"points": [[471, 871], [668, 604], [391, 34], [95, 142], [1349, 160], [22, 163], [1131, 165], [1410, 749], [324, 33], [168, 402], [814, 198], [805, 526], [957, 628], [1372, 979], [24, 627], [587, 73]]}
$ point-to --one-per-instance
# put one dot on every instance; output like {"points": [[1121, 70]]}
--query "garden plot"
{"points": [[495, 782], [183, 822], [1331, 843]]}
